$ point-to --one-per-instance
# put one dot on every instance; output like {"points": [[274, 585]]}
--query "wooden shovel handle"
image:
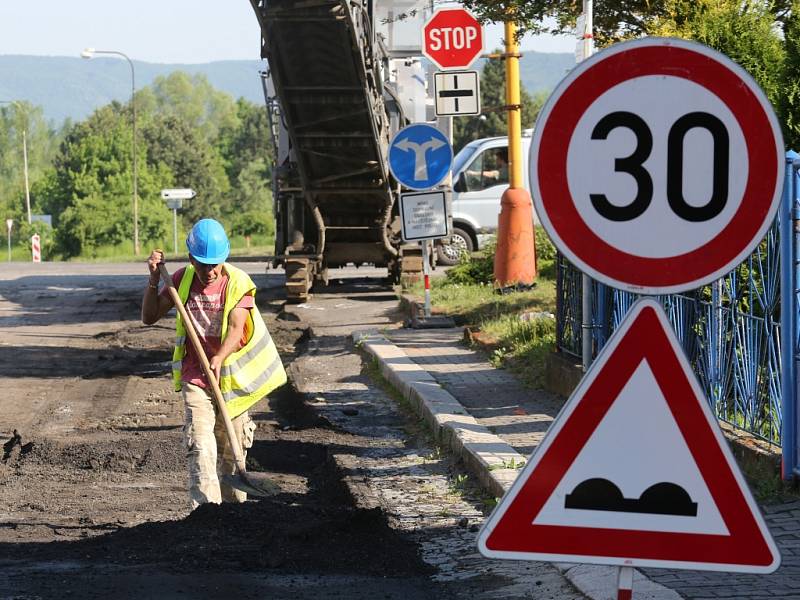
{"points": [[212, 380]]}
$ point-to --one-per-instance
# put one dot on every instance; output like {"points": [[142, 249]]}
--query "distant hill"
{"points": [[72, 87], [68, 87]]}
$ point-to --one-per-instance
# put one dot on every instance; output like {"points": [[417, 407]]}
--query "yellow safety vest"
{"points": [[251, 372]]}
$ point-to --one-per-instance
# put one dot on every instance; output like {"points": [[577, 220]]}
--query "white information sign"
{"points": [[457, 93], [423, 215], [178, 193]]}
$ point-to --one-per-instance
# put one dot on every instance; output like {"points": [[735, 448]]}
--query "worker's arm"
{"points": [[154, 305], [232, 341]]}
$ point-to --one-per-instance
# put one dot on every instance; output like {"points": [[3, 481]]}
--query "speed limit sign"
{"points": [[657, 165]]}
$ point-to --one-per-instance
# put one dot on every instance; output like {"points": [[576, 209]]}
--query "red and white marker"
{"points": [[36, 248]]}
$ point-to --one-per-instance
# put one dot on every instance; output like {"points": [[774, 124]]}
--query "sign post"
{"points": [[420, 158], [656, 167], [175, 198], [423, 217], [9, 225]]}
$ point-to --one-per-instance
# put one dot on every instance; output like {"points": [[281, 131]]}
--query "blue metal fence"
{"points": [[730, 330]]}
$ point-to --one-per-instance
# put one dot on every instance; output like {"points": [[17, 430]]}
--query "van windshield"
{"points": [[464, 155]]}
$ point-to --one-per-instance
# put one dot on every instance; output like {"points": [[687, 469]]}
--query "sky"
{"points": [[160, 31]]}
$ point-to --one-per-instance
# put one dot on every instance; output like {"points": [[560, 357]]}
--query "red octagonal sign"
{"points": [[452, 38], [657, 165]]}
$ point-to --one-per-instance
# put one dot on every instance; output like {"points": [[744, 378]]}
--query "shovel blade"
{"points": [[253, 484]]}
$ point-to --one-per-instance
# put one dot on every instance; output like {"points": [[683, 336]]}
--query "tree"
{"points": [[494, 120], [790, 101], [743, 31], [248, 140], [192, 99], [193, 162], [89, 190], [253, 214], [613, 19], [42, 144]]}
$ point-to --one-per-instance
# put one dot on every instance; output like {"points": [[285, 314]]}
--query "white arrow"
{"points": [[419, 150]]}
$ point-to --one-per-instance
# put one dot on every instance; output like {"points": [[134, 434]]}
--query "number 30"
{"points": [[633, 165]]}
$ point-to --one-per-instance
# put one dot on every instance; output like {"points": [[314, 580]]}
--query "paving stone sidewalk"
{"points": [[521, 416]]}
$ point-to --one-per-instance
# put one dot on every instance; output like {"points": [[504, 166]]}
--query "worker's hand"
{"points": [[215, 362], [156, 257]]}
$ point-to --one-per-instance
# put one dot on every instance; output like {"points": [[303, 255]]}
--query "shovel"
{"points": [[255, 484]]}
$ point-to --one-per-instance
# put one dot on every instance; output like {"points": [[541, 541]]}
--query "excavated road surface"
{"points": [[92, 476]]}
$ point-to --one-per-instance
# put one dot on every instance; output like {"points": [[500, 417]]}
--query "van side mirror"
{"points": [[461, 183]]}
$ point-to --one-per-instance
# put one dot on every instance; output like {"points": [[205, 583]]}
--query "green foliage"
{"points": [[89, 192], [744, 32], [494, 120], [18, 120], [480, 269], [790, 101], [193, 162], [472, 270], [545, 250], [193, 100], [613, 19], [189, 135]]}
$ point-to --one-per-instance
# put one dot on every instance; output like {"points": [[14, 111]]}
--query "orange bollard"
{"points": [[515, 259]]}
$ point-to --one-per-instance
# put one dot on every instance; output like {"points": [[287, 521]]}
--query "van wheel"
{"points": [[460, 243]]}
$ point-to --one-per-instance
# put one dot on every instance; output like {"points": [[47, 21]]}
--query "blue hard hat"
{"points": [[208, 243]]}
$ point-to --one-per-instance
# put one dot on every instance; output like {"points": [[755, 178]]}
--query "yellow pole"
{"points": [[515, 256], [514, 109]]}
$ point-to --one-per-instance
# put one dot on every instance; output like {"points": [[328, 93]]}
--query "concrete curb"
{"points": [[485, 455]]}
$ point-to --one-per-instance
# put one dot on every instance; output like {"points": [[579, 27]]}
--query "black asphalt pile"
{"points": [[157, 452]]}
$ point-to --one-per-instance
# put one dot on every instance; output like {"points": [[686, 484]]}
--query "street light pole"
{"points": [[89, 53], [24, 155]]}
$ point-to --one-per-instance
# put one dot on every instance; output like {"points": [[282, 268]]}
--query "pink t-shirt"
{"points": [[205, 307]]}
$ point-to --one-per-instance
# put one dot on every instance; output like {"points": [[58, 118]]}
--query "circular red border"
{"points": [[728, 244]]}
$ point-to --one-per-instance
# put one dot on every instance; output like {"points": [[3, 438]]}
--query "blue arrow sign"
{"points": [[420, 156]]}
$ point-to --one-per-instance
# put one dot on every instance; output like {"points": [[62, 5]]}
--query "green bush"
{"points": [[471, 269], [545, 250]]}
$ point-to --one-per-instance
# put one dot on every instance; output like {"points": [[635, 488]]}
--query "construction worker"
{"points": [[220, 301]]}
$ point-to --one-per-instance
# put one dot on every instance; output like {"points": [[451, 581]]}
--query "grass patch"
{"points": [[467, 295], [240, 248]]}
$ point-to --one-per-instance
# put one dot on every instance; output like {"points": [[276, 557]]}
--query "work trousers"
{"points": [[209, 453]]}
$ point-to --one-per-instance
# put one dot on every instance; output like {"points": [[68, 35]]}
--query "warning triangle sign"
{"points": [[634, 471]]}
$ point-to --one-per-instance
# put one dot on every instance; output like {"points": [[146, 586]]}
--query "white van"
{"points": [[479, 181]]}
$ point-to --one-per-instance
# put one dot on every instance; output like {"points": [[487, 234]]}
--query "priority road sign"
{"points": [[634, 471], [420, 156], [657, 165], [452, 38], [423, 215], [457, 93]]}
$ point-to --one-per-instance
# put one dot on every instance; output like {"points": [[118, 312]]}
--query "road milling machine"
{"points": [[343, 77]]}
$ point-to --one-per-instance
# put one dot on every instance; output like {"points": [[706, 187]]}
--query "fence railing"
{"points": [[730, 330]]}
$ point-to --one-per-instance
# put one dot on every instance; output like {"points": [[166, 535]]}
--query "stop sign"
{"points": [[452, 38]]}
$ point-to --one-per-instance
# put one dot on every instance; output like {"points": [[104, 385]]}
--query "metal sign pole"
{"points": [[426, 270], [175, 230], [9, 225]]}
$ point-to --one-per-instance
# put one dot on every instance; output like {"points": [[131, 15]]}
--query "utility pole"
{"points": [[25, 162], [515, 258], [20, 106]]}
